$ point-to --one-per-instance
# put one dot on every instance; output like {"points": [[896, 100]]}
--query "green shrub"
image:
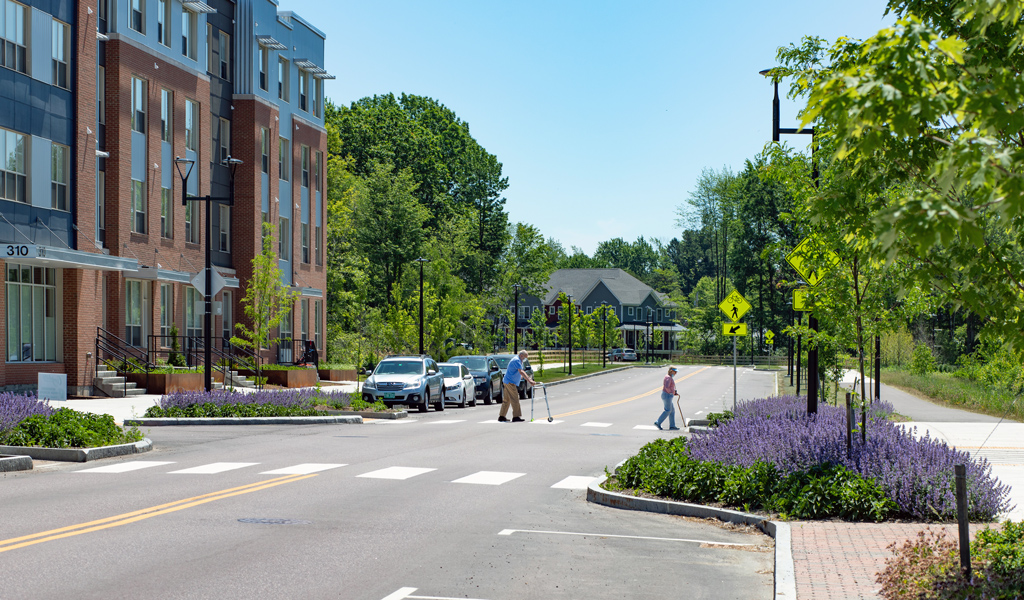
{"points": [[923, 361], [716, 419], [210, 409], [1002, 549], [175, 358], [69, 428]]}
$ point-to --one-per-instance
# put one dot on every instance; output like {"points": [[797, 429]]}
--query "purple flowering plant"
{"points": [[14, 408], [292, 402], [915, 473]]}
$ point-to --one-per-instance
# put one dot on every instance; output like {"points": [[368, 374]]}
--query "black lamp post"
{"points": [[421, 261], [515, 320], [604, 334], [812, 321], [570, 333], [183, 172]]}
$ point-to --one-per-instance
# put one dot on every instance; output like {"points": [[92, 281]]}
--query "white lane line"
{"points": [[213, 468], [446, 421], [574, 482], [699, 412], [592, 424], [626, 537], [647, 427], [303, 469], [396, 473], [126, 466], [489, 478]]}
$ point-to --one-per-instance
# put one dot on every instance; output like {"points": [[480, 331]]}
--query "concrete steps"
{"points": [[115, 386]]}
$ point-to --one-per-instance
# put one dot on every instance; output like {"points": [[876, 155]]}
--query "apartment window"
{"points": [[101, 206], [284, 238], [631, 311], [303, 90], [315, 87], [192, 125], [189, 23], [264, 68], [225, 228], [304, 154], [265, 149], [317, 327], [31, 313], [166, 312], [318, 171], [134, 292], [284, 161], [282, 78], [137, 15], [61, 38], [226, 319], [551, 310], [224, 45], [285, 331], [101, 94], [58, 177], [138, 208], [221, 139], [305, 243], [166, 112], [163, 21], [211, 47], [138, 105], [304, 319], [13, 180], [14, 50], [166, 213], [193, 314], [191, 227], [318, 245]]}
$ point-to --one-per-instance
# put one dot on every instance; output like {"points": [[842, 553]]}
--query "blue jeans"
{"points": [[670, 411]]}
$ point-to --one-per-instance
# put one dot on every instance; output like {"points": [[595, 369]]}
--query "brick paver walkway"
{"points": [[839, 561]]}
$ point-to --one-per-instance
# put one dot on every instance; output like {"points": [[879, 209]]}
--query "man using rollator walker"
{"points": [[510, 388]]}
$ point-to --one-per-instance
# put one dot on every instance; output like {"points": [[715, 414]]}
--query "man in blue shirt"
{"points": [[510, 388]]}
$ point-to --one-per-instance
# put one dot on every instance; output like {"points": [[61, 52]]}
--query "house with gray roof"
{"points": [[635, 303]]}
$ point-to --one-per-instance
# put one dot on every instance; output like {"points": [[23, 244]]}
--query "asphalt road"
{"points": [[440, 505]]}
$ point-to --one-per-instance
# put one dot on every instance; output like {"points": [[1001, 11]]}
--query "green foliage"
{"points": [[175, 358], [1002, 549], [923, 361], [715, 419], [68, 428], [957, 392], [831, 491], [995, 365], [231, 410], [897, 347], [359, 404], [266, 301]]}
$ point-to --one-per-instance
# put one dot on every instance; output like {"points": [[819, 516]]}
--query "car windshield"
{"points": [[451, 371], [477, 363], [399, 367], [502, 361]]}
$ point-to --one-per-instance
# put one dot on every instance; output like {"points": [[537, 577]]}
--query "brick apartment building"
{"points": [[98, 99]]}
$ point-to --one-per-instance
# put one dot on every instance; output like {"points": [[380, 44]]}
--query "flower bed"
{"points": [[772, 448], [14, 408], [225, 403]]}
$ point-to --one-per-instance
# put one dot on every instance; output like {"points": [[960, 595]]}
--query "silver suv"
{"points": [[409, 380]]}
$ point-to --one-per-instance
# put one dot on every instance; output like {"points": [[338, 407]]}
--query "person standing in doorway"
{"points": [[668, 390], [510, 388]]}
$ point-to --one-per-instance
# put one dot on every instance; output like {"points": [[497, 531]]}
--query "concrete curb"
{"points": [[10, 463], [785, 577], [587, 376], [79, 454], [316, 420], [370, 415]]}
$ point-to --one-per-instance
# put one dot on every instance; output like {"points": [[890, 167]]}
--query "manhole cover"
{"points": [[275, 521]]}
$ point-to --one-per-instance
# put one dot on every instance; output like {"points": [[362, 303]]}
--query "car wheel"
{"points": [[529, 394], [462, 403], [439, 406], [472, 401], [522, 392], [425, 403]]}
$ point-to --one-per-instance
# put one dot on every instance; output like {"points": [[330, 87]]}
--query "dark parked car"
{"points": [[525, 389], [621, 354], [486, 374], [408, 380]]}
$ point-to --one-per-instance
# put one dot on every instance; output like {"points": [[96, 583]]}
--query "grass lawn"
{"points": [[559, 373]]}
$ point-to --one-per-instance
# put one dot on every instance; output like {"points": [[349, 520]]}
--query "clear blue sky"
{"points": [[602, 113]]}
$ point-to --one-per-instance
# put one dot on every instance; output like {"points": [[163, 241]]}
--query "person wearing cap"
{"points": [[514, 373], [668, 390]]}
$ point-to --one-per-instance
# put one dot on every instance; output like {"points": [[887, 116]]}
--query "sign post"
{"points": [[734, 307], [811, 259]]}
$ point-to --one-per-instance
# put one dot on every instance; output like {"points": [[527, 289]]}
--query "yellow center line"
{"points": [[145, 513], [644, 395]]}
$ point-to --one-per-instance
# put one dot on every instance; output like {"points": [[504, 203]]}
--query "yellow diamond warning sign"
{"points": [[734, 306], [811, 259]]}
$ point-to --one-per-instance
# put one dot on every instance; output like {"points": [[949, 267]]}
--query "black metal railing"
{"points": [[226, 357], [298, 352], [116, 353]]}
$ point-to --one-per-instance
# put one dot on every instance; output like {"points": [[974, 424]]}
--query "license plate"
{"points": [[389, 395]]}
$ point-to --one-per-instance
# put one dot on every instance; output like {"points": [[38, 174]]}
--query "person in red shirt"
{"points": [[668, 390]]}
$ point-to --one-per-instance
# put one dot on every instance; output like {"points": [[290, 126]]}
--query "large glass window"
{"points": [[191, 227], [304, 318], [193, 313], [166, 114], [163, 22], [134, 311], [304, 156], [265, 149], [282, 78], [314, 95], [303, 90], [305, 243], [318, 171], [166, 213], [59, 177], [138, 105], [264, 68], [60, 41], [224, 45], [284, 238], [138, 208], [189, 23], [31, 313], [317, 328], [13, 46], [137, 15], [192, 125], [225, 228], [13, 180], [225, 140], [166, 312], [284, 158]]}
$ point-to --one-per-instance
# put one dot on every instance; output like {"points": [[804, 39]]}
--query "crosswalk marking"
{"points": [[574, 482], [125, 467], [646, 427], [213, 468], [396, 473], [489, 478], [446, 421], [540, 421], [592, 424], [303, 469]]}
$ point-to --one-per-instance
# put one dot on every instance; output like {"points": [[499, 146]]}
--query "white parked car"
{"points": [[458, 384]]}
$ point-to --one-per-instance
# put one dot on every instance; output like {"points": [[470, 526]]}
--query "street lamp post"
{"points": [[604, 334], [515, 320], [812, 321], [421, 261], [570, 333], [183, 173]]}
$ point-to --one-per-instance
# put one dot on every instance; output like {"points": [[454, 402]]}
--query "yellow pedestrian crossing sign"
{"points": [[734, 329], [802, 300], [806, 258], [769, 336], [734, 306]]}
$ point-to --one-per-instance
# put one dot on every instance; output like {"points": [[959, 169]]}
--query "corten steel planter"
{"points": [[166, 383], [337, 374]]}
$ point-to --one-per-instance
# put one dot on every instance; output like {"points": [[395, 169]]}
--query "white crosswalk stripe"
{"points": [[592, 424], [489, 478], [213, 468], [126, 467], [646, 427], [446, 421], [396, 473], [303, 469], [574, 482]]}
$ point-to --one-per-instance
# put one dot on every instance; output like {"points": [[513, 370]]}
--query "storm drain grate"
{"points": [[275, 521]]}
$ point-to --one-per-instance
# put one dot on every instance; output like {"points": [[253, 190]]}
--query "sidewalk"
{"points": [[839, 561]]}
